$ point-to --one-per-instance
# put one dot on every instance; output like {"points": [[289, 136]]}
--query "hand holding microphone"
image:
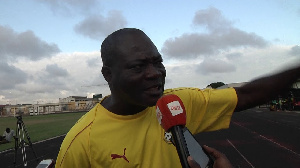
{"points": [[221, 160], [171, 116]]}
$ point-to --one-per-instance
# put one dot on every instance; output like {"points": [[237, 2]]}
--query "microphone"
{"points": [[171, 115]]}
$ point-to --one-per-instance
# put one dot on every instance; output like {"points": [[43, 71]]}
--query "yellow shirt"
{"points": [[103, 139]]}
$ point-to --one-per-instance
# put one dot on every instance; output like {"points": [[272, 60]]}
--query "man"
{"points": [[122, 130], [8, 135]]}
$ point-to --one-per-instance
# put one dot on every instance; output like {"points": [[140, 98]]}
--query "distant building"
{"points": [[18, 109], [72, 103], [68, 104], [2, 107], [73, 99]]}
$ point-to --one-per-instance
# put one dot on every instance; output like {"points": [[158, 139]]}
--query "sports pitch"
{"points": [[40, 127]]}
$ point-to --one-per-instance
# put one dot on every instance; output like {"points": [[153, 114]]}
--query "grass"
{"points": [[40, 127]]}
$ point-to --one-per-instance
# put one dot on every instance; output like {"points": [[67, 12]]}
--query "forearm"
{"points": [[263, 89]]}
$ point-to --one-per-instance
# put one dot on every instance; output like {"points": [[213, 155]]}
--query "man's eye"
{"points": [[136, 67]]}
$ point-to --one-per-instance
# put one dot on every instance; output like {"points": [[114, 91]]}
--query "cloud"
{"points": [[187, 46], [94, 62], [11, 76], [24, 44], [234, 55], [212, 19], [63, 77], [54, 70], [71, 74], [70, 7], [97, 26], [295, 51], [50, 79], [239, 65], [215, 66], [221, 36], [178, 75]]}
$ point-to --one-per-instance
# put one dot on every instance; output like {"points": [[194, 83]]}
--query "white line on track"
{"points": [[270, 140], [33, 143], [240, 153]]}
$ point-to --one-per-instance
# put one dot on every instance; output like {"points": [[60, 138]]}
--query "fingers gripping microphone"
{"points": [[171, 115]]}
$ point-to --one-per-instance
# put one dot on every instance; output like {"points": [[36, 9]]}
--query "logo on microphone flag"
{"points": [[175, 108]]}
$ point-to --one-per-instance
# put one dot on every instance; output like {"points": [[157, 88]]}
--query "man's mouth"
{"points": [[155, 89]]}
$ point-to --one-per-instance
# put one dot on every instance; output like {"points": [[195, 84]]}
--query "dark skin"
{"points": [[136, 79], [137, 76], [264, 89]]}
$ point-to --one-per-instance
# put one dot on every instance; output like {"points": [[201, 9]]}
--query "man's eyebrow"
{"points": [[137, 61], [147, 59], [159, 57]]}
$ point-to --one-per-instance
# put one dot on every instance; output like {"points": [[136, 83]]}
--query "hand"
{"points": [[221, 160], [192, 162]]}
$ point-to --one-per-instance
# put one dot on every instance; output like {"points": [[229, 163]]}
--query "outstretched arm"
{"points": [[263, 89]]}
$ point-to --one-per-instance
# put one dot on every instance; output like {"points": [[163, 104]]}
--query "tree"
{"points": [[216, 85]]}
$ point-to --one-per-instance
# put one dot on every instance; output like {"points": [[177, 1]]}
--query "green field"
{"points": [[40, 127]]}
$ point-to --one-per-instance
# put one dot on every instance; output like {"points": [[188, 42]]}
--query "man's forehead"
{"points": [[135, 42], [146, 58], [137, 46]]}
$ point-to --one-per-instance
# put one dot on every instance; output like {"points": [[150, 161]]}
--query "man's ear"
{"points": [[106, 72]]}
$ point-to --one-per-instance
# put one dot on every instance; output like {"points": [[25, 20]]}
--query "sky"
{"points": [[50, 49]]}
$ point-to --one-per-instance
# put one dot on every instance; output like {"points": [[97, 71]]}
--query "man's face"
{"points": [[138, 75]]}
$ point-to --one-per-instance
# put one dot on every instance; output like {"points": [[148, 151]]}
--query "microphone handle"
{"points": [[180, 144]]}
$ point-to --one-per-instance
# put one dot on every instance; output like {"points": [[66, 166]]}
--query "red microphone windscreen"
{"points": [[170, 111]]}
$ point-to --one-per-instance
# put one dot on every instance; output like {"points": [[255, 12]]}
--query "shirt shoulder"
{"points": [[82, 123], [206, 107], [80, 128], [190, 93]]}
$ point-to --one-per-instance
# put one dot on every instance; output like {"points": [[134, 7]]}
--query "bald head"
{"points": [[111, 44], [133, 69]]}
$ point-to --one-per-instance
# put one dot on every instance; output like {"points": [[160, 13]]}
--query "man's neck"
{"points": [[120, 108]]}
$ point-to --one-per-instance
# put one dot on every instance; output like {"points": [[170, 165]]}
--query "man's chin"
{"points": [[153, 100]]}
